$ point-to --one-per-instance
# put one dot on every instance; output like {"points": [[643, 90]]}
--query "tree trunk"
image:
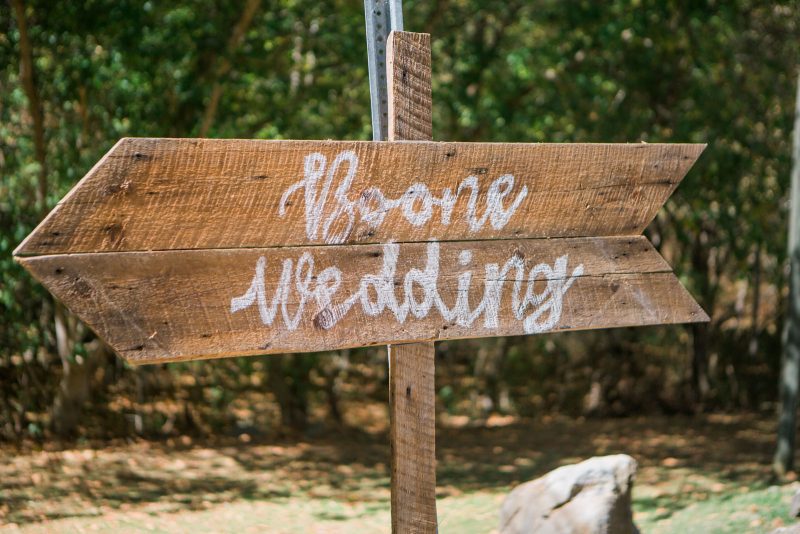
{"points": [[700, 383], [700, 331], [783, 462], [488, 372], [333, 368], [752, 348], [27, 76], [76, 386], [225, 64], [288, 380]]}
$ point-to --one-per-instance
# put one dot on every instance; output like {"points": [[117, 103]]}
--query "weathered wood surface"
{"points": [[177, 194], [411, 366], [176, 305], [413, 437], [409, 86]]}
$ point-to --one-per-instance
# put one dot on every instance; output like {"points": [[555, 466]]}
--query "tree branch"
{"points": [[28, 78], [224, 65]]}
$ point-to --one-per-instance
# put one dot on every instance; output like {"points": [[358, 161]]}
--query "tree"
{"points": [[783, 462]]}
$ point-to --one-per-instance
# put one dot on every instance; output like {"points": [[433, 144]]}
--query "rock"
{"points": [[591, 497], [794, 529], [794, 510]]}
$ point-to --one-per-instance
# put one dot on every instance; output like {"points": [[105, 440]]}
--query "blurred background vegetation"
{"points": [[77, 76]]}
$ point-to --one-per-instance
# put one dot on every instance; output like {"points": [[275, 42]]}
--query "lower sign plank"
{"points": [[180, 305]]}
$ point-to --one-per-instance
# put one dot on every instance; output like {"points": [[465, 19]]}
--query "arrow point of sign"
{"points": [[56, 231], [686, 155]]}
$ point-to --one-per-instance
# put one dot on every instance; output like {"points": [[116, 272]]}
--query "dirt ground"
{"points": [[338, 481]]}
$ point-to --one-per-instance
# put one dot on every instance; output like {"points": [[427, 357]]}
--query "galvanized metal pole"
{"points": [[396, 15], [382, 16]]}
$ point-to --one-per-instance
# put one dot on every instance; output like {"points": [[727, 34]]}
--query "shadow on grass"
{"points": [[353, 466]]}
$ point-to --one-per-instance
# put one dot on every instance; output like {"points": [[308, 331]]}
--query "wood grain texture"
{"points": [[177, 194], [413, 406], [176, 305], [411, 366], [409, 86]]}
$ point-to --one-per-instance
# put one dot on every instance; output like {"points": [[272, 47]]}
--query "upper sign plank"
{"points": [[184, 194]]}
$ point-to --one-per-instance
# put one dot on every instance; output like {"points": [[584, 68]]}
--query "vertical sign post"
{"points": [[400, 97], [411, 366]]}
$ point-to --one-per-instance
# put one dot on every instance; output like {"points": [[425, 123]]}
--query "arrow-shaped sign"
{"points": [[174, 249]]}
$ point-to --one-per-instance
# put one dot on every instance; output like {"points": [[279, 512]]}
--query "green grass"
{"points": [[756, 511], [696, 475], [760, 510]]}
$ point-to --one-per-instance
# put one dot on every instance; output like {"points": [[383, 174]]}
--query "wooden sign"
{"points": [[176, 249]]}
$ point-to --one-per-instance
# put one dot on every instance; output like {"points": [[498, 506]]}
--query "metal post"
{"points": [[382, 16]]}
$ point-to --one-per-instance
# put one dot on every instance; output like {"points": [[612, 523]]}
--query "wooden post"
{"points": [[411, 366], [783, 460]]}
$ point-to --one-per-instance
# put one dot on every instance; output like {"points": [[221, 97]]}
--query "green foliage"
{"points": [[722, 73]]}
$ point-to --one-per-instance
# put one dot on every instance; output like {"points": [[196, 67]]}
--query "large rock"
{"points": [[591, 497], [794, 509]]}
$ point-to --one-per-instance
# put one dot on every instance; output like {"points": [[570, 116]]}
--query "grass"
{"points": [[760, 510], [757, 511], [707, 475]]}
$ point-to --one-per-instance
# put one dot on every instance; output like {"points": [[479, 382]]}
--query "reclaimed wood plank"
{"points": [[408, 58], [177, 305], [412, 398], [412, 393], [175, 194]]}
